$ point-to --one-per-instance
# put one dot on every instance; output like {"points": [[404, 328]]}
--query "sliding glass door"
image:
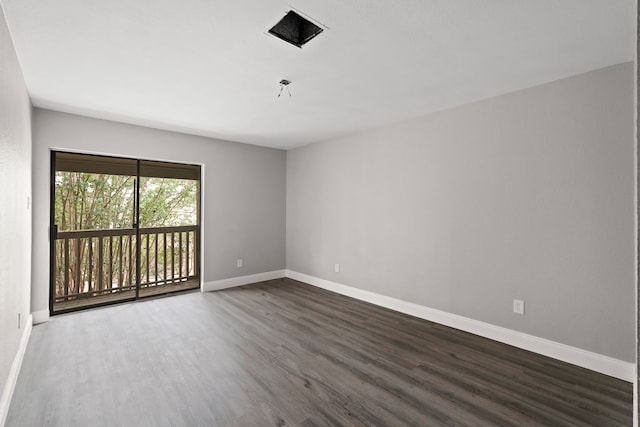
{"points": [[169, 230], [121, 229]]}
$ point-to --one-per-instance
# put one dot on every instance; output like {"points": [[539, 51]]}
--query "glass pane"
{"points": [[168, 202], [91, 201]]}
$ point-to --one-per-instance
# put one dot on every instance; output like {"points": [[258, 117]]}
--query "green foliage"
{"points": [[168, 202], [85, 201]]}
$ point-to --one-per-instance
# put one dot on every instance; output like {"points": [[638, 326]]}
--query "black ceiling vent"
{"points": [[295, 29]]}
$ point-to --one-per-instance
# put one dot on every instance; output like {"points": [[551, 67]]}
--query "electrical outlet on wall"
{"points": [[518, 306], [239, 262], [336, 268]]}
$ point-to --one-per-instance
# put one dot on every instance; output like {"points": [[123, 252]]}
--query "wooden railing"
{"points": [[90, 263]]}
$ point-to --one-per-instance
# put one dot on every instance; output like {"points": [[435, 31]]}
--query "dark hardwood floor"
{"points": [[282, 353], [151, 291]]}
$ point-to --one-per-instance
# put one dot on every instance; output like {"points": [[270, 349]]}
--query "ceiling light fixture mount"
{"points": [[284, 83]]}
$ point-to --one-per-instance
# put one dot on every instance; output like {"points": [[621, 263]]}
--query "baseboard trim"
{"points": [[241, 280], [576, 356], [12, 379], [40, 316]]}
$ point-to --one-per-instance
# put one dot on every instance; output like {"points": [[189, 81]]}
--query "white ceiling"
{"points": [[207, 67]]}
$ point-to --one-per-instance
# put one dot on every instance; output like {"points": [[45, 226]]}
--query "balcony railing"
{"points": [[95, 263]]}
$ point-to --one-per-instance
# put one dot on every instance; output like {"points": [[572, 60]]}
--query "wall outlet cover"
{"points": [[518, 306]]}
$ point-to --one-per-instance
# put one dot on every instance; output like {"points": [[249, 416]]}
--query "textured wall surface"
{"points": [[529, 195], [15, 214]]}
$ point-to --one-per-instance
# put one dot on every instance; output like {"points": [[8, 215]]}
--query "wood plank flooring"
{"points": [[282, 353], [152, 291]]}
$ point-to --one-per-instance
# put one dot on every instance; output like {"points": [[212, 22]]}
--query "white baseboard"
{"points": [[242, 280], [576, 356], [40, 316], [12, 379]]}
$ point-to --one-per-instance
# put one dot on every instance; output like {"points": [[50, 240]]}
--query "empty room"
{"points": [[312, 213]]}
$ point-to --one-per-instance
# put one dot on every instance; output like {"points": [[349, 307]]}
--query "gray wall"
{"points": [[529, 195], [636, 406], [15, 216], [243, 191]]}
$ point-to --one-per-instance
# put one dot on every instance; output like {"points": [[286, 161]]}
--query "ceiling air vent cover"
{"points": [[295, 29]]}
